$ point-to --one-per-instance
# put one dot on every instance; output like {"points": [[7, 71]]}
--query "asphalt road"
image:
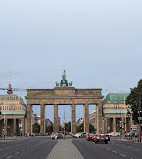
{"points": [[40, 148], [29, 148], [113, 150]]}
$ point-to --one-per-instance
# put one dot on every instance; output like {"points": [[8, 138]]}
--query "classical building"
{"points": [[117, 115], [64, 94], [93, 118], [13, 111]]}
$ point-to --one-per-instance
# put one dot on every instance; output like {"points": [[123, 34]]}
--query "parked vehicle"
{"points": [[101, 138], [57, 136], [114, 134]]}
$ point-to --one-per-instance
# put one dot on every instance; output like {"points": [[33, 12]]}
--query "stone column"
{"points": [[73, 119], [5, 130], [23, 126], [105, 125], [56, 121], [86, 118], [42, 118], [1, 127], [99, 118], [29, 119], [14, 127], [114, 124]]}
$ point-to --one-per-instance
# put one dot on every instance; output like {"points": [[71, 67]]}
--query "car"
{"points": [[83, 134], [57, 136], [78, 135], [101, 138], [89, 137], [108, 137], [114, 134]]}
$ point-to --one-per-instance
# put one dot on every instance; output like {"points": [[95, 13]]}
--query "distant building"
{"points": [[48, 122], [93, 119], [116, 117], [13, 111], [79, 121]]}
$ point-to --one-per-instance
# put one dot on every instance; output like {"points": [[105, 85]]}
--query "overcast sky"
{"points": [[98, 42]]}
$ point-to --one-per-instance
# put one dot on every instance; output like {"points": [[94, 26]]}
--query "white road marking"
{"points": [[122, 155], [17, 153], [9, 156], [107, 148], [137, 149], [114, 151]]}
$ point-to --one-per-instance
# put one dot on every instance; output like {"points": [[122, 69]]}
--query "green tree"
{"points": [[36, 128], [91, 128], [134, 99], [49, 128], [68, 127], [80, 128]]}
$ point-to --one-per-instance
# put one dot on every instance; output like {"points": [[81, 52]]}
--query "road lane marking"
{"points": [[17, 153], [114, 151], [107, 148], [122, 155], [9, 156], [137, 149]]}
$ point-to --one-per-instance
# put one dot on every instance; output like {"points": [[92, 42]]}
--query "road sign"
{"points": [[134, 127], [139, 118]]}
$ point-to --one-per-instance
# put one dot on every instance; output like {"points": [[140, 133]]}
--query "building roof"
{"points": [[115, 98], [10, 97]]}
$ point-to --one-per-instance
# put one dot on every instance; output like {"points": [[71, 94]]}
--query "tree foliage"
{"points": [[91, 128], [49, 128], [134, 99], [36, 128], [68, 127], [80, 128]]}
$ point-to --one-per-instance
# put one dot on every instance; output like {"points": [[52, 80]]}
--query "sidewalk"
{"points": [[128, 140]]}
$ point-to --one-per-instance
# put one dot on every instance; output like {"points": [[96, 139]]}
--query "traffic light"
{"points": [[103, 119], [131, 127]]}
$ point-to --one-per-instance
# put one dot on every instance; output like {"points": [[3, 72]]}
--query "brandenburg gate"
{"points": [[64, 94]]}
